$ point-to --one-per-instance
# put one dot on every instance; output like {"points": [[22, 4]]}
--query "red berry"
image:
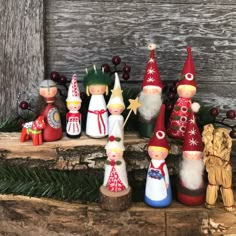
{"points": [[54, 76], [106, 68], [111, 138], [169, 106], [127, 69], [171, 95], [173, 89], [231, 114], [63, 79], [116, 60], [24, 105], [214, 112], [232, 134], [125, 76]]}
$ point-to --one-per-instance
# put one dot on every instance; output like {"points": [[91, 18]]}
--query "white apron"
{"points": [[156, 185], [97, 117]]}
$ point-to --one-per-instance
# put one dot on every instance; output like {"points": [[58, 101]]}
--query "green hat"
{"points": [[95, 76]]}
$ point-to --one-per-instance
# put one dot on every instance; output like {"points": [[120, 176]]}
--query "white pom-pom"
{"points": [[152, 46], [195, 107]]}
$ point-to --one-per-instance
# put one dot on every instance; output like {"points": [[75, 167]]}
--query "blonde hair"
{"points": [[88, 93], [157, 148], [72, 102]]}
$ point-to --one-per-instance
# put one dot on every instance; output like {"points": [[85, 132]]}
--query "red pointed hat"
{"points": [[188, 76], [152, 75], [159, 137], [192, 139]]}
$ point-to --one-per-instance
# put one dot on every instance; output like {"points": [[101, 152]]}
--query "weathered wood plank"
{"points": [[219, 2], [21, 50], [32, 216], [86, 33]]}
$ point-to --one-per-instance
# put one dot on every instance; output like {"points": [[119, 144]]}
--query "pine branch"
{"points": [[61, 185]]}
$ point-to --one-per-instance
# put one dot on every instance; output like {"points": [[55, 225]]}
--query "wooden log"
{"points": [[33, 216], [77, 154], [115, 201]]}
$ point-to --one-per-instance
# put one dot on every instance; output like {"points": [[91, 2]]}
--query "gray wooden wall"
{"points": [[80, 33], [21, 50]]}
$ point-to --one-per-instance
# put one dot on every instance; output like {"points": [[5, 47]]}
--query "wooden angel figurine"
{"points": [[73, 117], [115, 105], [151, 96], [50, 112], [191, 187], [186, 89], [115, 193], [158, 187], [217, 151], [96, 83]]}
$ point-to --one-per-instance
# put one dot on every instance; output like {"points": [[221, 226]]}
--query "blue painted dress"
{"points": [[158, 188]]}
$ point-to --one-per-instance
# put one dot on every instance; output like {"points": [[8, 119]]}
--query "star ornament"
{"points": [[117, 92], [134, 105]]}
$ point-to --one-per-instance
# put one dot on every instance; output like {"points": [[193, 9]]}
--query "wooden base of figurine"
{"points": [[115, 201]]}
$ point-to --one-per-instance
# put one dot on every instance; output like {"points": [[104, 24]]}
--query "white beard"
{"points": [[191, 173], [151, 104]]}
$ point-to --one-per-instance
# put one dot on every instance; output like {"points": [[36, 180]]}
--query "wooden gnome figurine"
{"points": [[186, 89], [218, 145], [73, 103], [158, 188], [115, 105], [191, 187], [115, 193], [96, 83], [151, 96], [53, 128]]}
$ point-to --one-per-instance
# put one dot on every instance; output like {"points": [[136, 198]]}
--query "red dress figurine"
{"points": [[186, 89], [73, 117], [53, 128]]}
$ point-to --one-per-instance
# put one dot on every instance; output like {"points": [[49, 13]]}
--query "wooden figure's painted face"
{"points": [[192, 155], [114, 153], [115, 109], [186, 91], [97, 89], [157, 153], [73, 106], [152, 90], [48, 92]]}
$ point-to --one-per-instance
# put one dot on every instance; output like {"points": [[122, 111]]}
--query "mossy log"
{"points": [[85, 153]]}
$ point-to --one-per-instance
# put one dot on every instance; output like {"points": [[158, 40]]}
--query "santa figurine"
{"points": [[115, 105], [115, 192], [151, 96], [191, 187], [158, 188], [96, 83], [73, 103], [186, 89], [53, 128]]}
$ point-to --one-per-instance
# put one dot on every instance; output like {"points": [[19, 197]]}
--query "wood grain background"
{"points": [[79, 33], [21, 50]]}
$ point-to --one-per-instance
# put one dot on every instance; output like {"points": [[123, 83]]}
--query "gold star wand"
{"points": [[133, 106]]}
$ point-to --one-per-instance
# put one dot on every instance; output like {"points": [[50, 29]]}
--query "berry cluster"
{"points": [[230, 114], [116, 61], [57, 78], [24, 102], [170, 94]]}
